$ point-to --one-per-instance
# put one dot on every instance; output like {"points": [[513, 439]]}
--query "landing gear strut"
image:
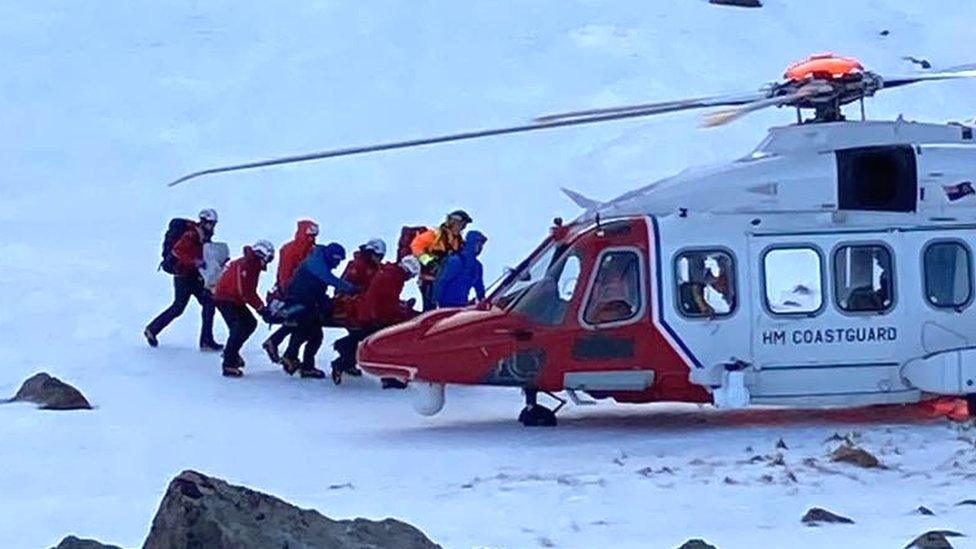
{"points": [[536, 415]]}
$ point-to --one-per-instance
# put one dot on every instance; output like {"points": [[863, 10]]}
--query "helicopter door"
{"points": [[585, 319], [829, 327]]}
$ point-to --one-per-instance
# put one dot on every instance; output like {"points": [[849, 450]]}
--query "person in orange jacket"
{"points": [[432, 246], [236, 289], [292, 255]]}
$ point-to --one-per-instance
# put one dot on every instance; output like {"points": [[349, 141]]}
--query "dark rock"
{"points": [[72, 542], [885, 32], [817, 516], [781, 445], [923, 510], [737, 3], [935, 539], [200, 511], [854, 455], [697, 544], [966, 502], [50, 393]]}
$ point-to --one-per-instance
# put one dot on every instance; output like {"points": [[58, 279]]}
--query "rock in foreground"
{"points": [[200, 511], [50, 393], [738, 3], [72, 542], [696, 544], [935, 539]]}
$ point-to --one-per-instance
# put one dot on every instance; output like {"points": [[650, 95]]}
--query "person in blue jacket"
{"points": [[462, 272], [307, 289]]}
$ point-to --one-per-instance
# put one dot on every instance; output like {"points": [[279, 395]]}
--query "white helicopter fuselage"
{"points": [[832, 266]]}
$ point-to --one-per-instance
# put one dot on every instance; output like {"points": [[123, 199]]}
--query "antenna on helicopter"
{"points": [[823, 83]]}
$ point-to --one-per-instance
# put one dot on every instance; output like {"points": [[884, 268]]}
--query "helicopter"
{"points": [[831, 266]]}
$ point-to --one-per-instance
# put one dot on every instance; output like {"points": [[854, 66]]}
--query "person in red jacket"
{"points": [[365, 263], [378, 307], [236, 289], [292, 255], [187, 259], [359, 272]]}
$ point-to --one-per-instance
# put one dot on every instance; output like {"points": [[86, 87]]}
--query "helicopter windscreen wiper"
{"points": [[823, 83]]}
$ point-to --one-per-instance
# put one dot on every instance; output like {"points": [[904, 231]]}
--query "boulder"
{"points": [[855, 456], [738, 3], [935, 539], [817, 516], [201, 511], [696, 543], [50, 393], [72, 542]]}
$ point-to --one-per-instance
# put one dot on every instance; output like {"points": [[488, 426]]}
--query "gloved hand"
{"points": [[199, 264], [266, 315]]}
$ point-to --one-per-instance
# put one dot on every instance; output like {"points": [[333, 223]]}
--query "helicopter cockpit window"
{"points": [[793, 280], [863, 279], [706, 283], [517, 281], [948, 275], [546, 300], [616, 295]]}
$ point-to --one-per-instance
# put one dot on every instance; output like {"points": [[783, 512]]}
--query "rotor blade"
{"points": [[728, 115], [895, 81], [417, 143], [662, 107]]}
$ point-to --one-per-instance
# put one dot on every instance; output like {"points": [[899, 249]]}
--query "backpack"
{"points": [[177, 226], [407, 234]]}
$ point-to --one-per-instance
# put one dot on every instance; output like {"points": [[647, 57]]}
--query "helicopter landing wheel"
{"points": [[534, 414]]}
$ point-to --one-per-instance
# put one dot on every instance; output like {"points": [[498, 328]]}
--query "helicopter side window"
{"points": [[706, 283], [616, 292], [793, 280], [877, 179], [948, 275], [863, 279]]}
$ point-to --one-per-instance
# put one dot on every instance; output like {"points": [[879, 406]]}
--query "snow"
{"points": [[102, 103]]}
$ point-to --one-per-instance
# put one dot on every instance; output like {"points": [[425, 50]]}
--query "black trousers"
{"points": [[241, 324], [278, 336], [308, 332], [346, 346], [185, 287], [427, 295]]}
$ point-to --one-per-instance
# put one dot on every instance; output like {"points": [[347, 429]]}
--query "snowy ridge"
{"points": [[103, 103]]}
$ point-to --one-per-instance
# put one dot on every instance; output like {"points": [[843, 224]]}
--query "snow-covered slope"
{"points": [[101, 103]]}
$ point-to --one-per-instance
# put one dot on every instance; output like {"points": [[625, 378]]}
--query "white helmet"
{"points": [[411, 264], [265, 250], [208, 214], [377, 246]]}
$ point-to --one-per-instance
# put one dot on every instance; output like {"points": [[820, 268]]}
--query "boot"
{"points": [[347, 367], [150, 338], [211, 346], [232, 371], [290, 365], [393, 383], [272, 350], [309, 370]]}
